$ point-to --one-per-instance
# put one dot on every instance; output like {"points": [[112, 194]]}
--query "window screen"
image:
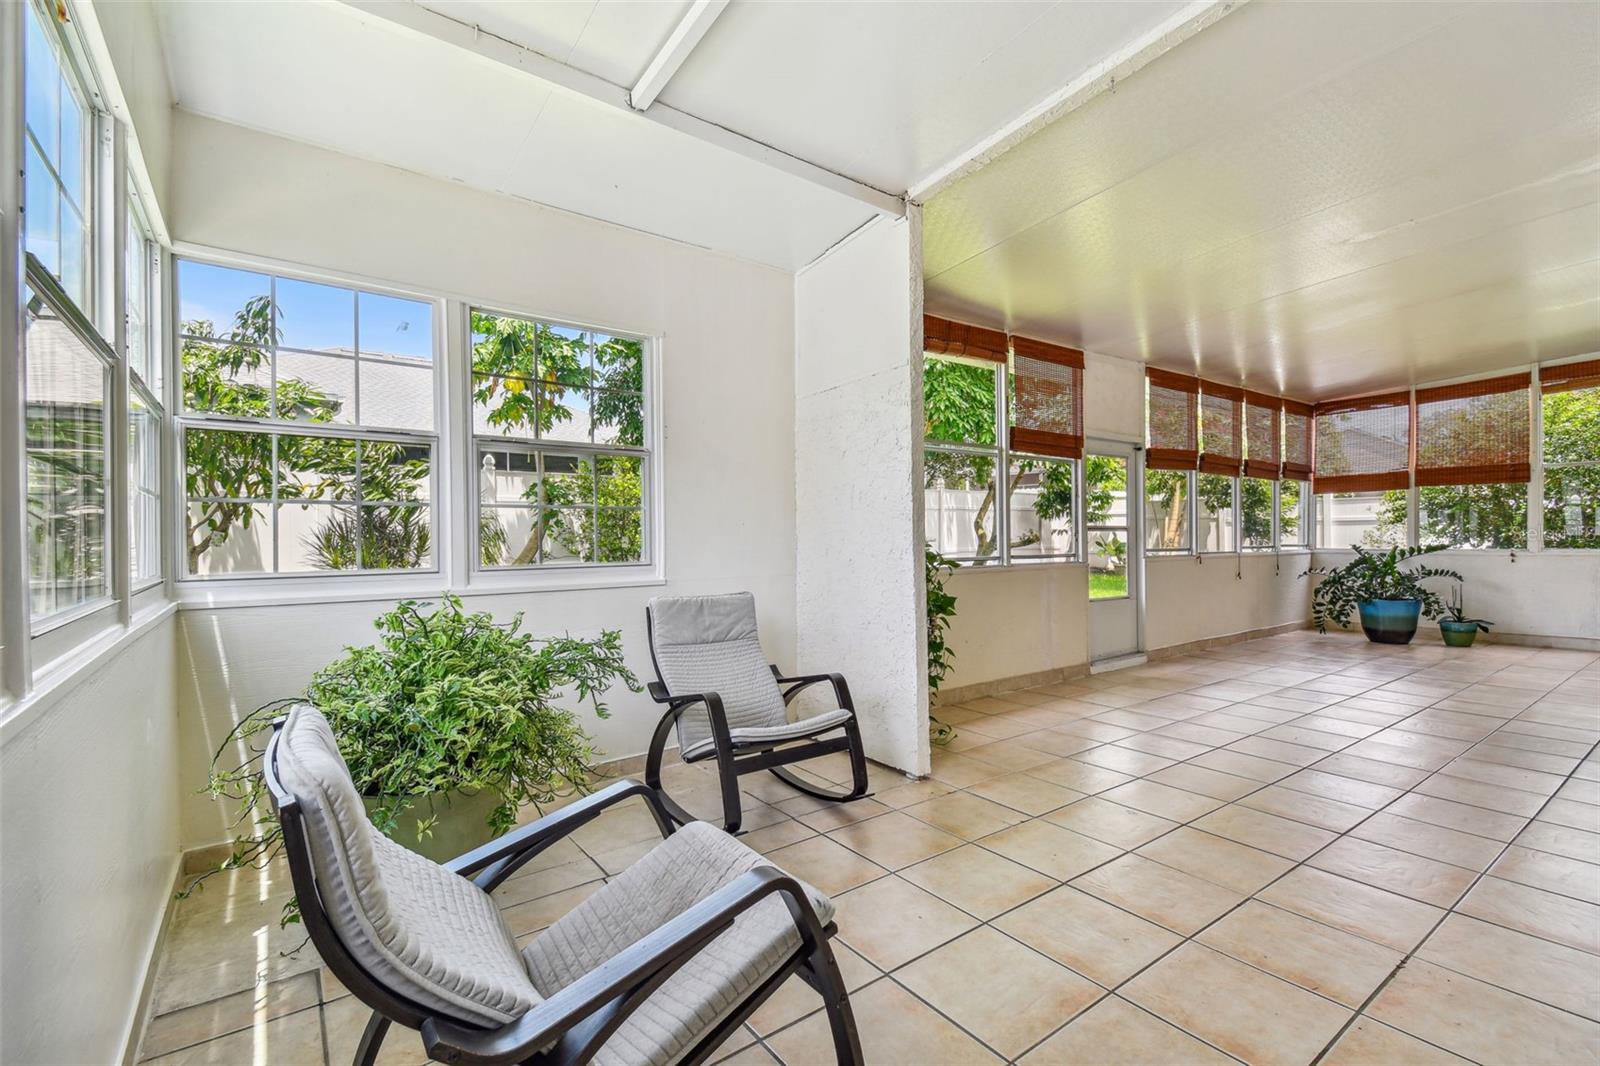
{"points": [[1363, 445]]}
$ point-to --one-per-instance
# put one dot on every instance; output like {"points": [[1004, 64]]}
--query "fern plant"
{"points": [[941, 608], [1374, 576]]}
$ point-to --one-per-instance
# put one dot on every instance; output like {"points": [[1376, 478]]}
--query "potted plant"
{"points": [[941, 608], [1387, 597], [1458, 630], [449, 724]]}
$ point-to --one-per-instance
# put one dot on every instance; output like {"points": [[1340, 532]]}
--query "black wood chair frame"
{"points": [[571, 1026]]}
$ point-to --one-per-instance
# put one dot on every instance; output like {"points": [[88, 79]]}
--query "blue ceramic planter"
{"points": [[1390, 621]]}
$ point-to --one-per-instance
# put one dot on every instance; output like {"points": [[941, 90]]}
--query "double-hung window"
{"points": [[146, 412], [561, 444], [307, 429], [58, 157], [1570, 410]]}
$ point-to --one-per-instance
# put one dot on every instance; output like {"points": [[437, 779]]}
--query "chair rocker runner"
{"points": [[725, 701], [660, 966]]}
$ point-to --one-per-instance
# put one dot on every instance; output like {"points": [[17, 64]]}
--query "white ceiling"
{"points": [[884, 93], [1319, 198]]}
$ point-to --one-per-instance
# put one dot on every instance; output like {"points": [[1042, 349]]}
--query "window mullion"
{"points": [[1536, 464], [16, 667], [1002, 479], [115, 246]]}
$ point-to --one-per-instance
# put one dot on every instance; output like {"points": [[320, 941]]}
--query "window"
{"points": [[1570, 404], [1472, 463], [558, 416], [1473, 516], [1105, 518], [58, 126], [1370, 519], [67, 396], [307, 429], [1214, 512], [1041, 508], [1292, 525], [145, 414], [1166, 510], [1255, 513], [960, 413], [1363, 445]]}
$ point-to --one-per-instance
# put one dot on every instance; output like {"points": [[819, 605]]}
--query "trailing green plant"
{"points": [[1457, 612], [941, 608], [1374, 576], [445, 701]]}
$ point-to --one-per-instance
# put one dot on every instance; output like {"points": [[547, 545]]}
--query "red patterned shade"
{"points": [[1172, 421], [1584, 374], [1475, 433], [944, 337], [1364, 444], [1221, 428], [1047, 409], [1297, 422], [1263, 435]]}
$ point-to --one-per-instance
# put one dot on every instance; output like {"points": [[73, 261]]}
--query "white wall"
{"points": [[1540, 594], [727, 395], [1189, 598], [858, 471], [132, 42], [1018, 621], [89, 852]]}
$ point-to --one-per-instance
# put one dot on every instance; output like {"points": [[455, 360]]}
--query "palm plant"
{"points": [[1374, 576]]}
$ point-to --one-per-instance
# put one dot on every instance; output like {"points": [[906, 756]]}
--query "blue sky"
{"points": [[312, 316]]}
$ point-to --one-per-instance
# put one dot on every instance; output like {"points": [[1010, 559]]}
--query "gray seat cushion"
{"points": [[764, 736], [685, 868], [430, 935], [710, 644]]}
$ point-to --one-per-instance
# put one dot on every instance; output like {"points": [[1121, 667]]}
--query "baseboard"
{"points": [[147, 987], [1533, 640], [1172, 651], [962, 693]]}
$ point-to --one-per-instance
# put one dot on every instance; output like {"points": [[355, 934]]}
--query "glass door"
{"points": [[1113, 549]]}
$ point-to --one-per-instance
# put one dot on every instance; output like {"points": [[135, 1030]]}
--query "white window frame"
{"points": [[149, 393], [1233, 511], [646, 570]]}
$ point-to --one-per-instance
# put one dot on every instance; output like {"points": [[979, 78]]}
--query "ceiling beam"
{"points": [[419, 20], [696, 21], [1102, 77]]}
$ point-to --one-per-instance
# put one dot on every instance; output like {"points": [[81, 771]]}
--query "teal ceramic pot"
{"points": [[1458, 634], [1390, 621]]}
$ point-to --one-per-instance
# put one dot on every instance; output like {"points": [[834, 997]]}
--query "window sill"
{"points": [[196, 595], [1051, 564]]}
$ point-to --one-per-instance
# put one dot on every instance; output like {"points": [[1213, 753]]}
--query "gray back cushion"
{"points": [[427, 934], [710, 644]]}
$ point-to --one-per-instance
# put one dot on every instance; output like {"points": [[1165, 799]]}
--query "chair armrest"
{"points": [[493, 862], [611, 991], [682, 701], [841, 690]]}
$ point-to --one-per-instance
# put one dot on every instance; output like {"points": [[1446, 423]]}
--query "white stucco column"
{"points": [[858, 473]]}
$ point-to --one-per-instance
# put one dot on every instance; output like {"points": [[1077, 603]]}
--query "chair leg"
{"points": [[829, 982], [732, 810], [371, 1040]]}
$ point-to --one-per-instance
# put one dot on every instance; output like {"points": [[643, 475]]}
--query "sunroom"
{"points": [[776, 532]]}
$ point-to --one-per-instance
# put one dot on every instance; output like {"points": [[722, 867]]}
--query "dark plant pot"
{"points": [[463, 822], [1458, 634], [1390, 621]]}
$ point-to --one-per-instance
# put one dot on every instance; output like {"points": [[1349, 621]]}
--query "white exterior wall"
{"points": [[858, 473], [1017, 621], [1188, 600], [727, 396], [88, 784]]}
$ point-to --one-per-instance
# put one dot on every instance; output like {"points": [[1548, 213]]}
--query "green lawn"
{"points": [[1103, 586]]}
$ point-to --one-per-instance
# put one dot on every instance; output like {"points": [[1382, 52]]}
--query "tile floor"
{"points": [[1299, 849]]}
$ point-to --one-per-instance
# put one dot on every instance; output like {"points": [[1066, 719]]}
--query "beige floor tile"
{"points": [[958, 771], [1240, 764], [1298, 806], [835, 815], [290, 1040], [1249, 1014], [1562, 840], [219, 1017], [1057, 743], [1553, 873], [902, 796], [1079, 776], [826, 864], [896, 1027], [1314, 956], [1123, 760], [1370, 1043], [1164, 801], [1168, 897], [965, 815], [1114, 1032], [344, 1022], [1478, 794], [1216, 859], [1022, 792], [795, 999], [1006, 994], [1432, 841], [1164, 746], [978, 881], [1051, 850], [1011, 756], [1258, 829], [895, 840], [1204, 782], [749, 1055], [1110, 822], [1277, 750], [770, 838], [1371, 770], [1368, 912], [1551, 973], [1098, 940], [1481, 1022], [1533, 910], [1397, 871], [890, 922]]}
